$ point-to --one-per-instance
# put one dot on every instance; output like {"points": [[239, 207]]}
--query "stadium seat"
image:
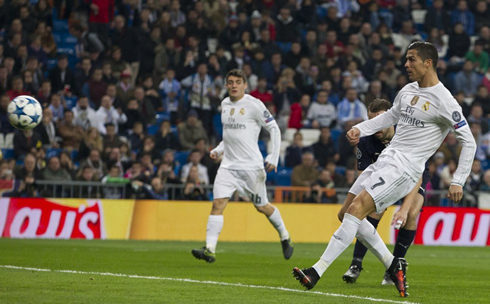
{"points": [[51, 64], [334, 134], [283, 177], [485, 165], [8, 153], [67, 38], [152, 129], [57, 38], [289, 134], [310, 136], [282, 150], [161, 116], [340, 170], [262, 148], [66, 51], [182, 157], [418, 16], [284, 46], [60, 26], [218, 126], [74, 155], [53, 152]]}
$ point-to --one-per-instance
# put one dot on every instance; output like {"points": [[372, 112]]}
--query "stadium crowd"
{"points": [[129, 85]]}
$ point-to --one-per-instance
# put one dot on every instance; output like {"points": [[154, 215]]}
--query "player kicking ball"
{"points": [[242, 167], [424, 112], [405, 219]]}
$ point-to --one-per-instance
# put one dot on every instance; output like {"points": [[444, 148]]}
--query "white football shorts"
{"points": [[386, 181], [248, 183]]}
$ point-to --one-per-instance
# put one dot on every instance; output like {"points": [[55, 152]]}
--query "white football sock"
{"points": [[278, 223], [370, 238], [340, 240], [215, 224]]}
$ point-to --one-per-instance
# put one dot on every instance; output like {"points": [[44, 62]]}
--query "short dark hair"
{"points": [[426, 51], [236, 73], [378, 105]]}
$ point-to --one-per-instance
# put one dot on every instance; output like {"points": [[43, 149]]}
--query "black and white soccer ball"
{"points": [[25, 112]]}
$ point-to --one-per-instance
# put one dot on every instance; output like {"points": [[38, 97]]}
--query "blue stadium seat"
{"points": [[53, 152], [262, 148], [340, 170], [161, 116], [485, 165], [321, 12], [67, 51], [57, 38], [51, 64], [60, 26], [8, 153], [182, 157], [67, 38], [283, 177], [284, 46], [152, 130], [74, 155], [334, 134], [218, 126]]}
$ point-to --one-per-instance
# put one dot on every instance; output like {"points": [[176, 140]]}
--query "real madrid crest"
{"points": [[242, 111], [425, 107], [232, 111], [414, 101]]}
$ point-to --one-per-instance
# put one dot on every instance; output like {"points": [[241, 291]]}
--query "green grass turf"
{"points": [[435, 275]]}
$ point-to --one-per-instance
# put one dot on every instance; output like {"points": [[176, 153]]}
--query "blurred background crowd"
{"points": [[131, 89]]}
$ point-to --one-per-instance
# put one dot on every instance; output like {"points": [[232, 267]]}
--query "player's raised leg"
{"points": [[362, 205], [214, 227]]}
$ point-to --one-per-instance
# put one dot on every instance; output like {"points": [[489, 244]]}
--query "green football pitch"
{"points": [[75, 271]]}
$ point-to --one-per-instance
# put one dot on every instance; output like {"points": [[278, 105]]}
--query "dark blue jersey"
{"points": [[368, 150]]}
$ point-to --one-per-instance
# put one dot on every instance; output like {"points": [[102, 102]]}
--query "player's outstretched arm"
{"points": [[218, 151], [273, 158], [353, 135]]}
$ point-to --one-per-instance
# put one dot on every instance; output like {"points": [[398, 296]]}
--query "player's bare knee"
{"points": [[362, 206], [219, 206]]}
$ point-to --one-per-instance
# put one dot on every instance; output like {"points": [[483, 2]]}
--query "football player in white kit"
{"points": [[242, 167], [424, 112]]}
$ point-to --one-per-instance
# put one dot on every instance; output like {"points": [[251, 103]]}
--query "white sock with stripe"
{"points": [[278, 223], [215, 224], [340, 240]]}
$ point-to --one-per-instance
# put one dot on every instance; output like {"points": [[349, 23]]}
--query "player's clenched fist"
{"points": [[353, 136]]}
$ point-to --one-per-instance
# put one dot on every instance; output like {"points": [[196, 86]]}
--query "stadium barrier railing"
{"points": [[276, 194]]}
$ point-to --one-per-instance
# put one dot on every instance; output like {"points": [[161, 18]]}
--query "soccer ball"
{"points": [[25, 112]]}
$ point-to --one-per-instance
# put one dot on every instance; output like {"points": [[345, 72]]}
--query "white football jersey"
{"points": [[242, 121], [424, 116]]}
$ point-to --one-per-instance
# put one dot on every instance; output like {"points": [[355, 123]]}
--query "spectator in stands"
{"points": [[91, 140], [193, 190], [295, 151], [134, 115], [348, 181], [351, 108], [464, 16], [54, 171], [298, 118], [485, 37], [479, 58], [325, 148], [95, 87], [483, 98], [451, 148], [149, 148], [154, 190], [437, 17], [337, 178], [24, 142], [167, 57], [136, 136], [62, 77], [305, 174], [322, 113], [95, 162], [84, 115], [201, 88], [67, 163], [57, 106], [17, 88], [316, 195], [42, 12], [284, 96], [374, 92], [170, 90], [474, 180], [459, 44], [467, 80], [28, 172], [346, 151], [87, 41], [485, 184], [83, 71], [44, 94], [194, 161], [261, 92], [231, 33], [148, 167], [190, 130], [114, 177], [4, 79], [165, 138], [5, 126], [145, 105], [447, 173], [86, 174], [47, 130], [107, 114], [294, 56], [71, 134], [111, 139], [128, 40]]}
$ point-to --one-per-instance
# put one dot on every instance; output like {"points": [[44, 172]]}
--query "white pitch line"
{"points": [[133, 276]]}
